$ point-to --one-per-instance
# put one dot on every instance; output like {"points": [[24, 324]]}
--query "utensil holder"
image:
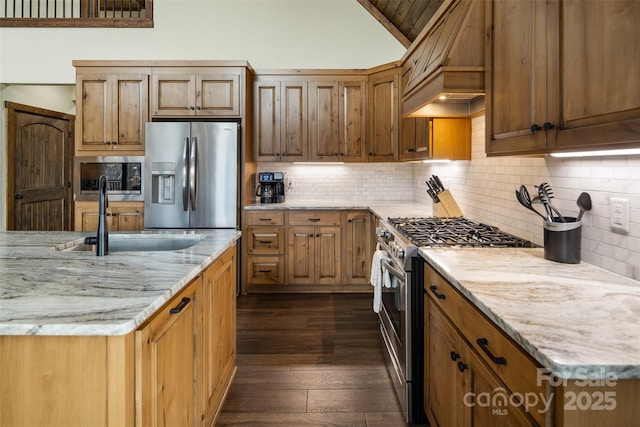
{"points": [[563, 240]]}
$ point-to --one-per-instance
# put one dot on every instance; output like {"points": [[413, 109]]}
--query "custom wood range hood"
{"points": [[443, 69]]}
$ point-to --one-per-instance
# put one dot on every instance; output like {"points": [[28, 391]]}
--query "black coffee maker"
{"points": [[270, 187]]}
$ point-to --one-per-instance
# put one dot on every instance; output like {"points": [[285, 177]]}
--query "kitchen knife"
{"points": [[431, 186], [438, 183], [433, 196]]}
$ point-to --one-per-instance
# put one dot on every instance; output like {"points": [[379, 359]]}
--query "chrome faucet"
{"points": [[102, 235]]}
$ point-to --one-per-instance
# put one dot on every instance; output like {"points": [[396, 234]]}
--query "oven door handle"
{"points": [[397, 273]]}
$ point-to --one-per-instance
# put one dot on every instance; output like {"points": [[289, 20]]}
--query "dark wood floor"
{"points": [[310, 360]]}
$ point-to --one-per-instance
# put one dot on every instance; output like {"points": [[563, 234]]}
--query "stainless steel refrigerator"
{"points": [[191, 175]]}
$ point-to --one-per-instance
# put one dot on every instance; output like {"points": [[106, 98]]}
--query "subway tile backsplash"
{"points": [[485, 190]]}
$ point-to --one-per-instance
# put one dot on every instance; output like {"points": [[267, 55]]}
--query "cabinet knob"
{"points": [[114, 142], [455, 356], [462, 366], [18, 196], [191, 107], [318, 235], [198, 108], [311, 235], [371, 154], [547, 126], [535, 128], [107, 143]]}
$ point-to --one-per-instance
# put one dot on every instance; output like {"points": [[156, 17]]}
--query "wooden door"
{"points": [[598, 73], [358, 251], [326, 253], [415, 138], [352, 121], [384, 117], [293, 121], [450, 138], [218, 93], [130, 104], [39, 151], [219, 332], [173, 94], [516, 76], [266, 125], [300, 255], [323, 121], [129, 218], [166, 365]]}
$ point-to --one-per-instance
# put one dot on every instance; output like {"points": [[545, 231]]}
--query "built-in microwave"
{"points": [[125, 175]]}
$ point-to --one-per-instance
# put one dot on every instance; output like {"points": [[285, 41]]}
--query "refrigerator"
{"points": [[191, 175]]}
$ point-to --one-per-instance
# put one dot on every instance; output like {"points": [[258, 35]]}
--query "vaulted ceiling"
{"points": [[404, 19]]}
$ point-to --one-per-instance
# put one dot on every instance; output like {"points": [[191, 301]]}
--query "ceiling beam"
{"points": [[388, 25]]}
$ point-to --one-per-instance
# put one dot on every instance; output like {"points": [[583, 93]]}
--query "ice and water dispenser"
{"points": [[163, 182]]}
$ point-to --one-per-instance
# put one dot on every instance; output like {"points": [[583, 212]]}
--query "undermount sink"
{"points": [[138, 243]]}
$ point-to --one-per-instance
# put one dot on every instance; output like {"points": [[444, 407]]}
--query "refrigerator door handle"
{"points": [[193, 173], [185, 169]]}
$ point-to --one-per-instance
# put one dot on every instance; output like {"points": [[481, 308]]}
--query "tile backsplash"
{"points": [[485, 190]]}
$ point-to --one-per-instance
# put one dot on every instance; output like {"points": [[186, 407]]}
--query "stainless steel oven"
{"points": [[125, 175]]}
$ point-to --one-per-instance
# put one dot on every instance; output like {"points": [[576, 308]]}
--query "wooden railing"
{"points": [[76, 13]]}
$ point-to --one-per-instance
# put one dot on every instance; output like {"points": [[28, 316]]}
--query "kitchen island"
{"points": [[109, 341], [572, 330]]}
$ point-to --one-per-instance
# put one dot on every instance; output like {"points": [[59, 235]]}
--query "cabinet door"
{"points": [[300, 253], [450, 138], [448, 373], [173, 94], [219, 332], [327, 255], [415, 138], [130, 103], [93, 94], [323, 121], [130, 218], [384, 119], [218, 93], [358, 249], [598, 71], [293, 121], [352, 122], [166, 365], [516, 76], [266, 125]]}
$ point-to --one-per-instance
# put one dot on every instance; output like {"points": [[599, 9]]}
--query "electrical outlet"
{"points": [[619, 215]]}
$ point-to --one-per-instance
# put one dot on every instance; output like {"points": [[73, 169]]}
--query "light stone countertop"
{"points": [[44, 291], [578, 320]]}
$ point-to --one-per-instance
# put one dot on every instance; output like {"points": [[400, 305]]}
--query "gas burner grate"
{"points": [[439, 232]]}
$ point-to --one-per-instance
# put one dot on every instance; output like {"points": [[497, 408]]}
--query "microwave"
{"points": [[125, 175]]}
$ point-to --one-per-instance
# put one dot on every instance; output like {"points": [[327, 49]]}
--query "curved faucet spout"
{"points": [[102, 235]]}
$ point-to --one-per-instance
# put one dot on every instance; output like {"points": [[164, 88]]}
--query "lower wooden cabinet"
{"points": [[313, 255], [122, 216], [174, 370], [359, 241]]}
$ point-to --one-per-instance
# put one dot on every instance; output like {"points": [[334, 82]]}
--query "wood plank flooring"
{"points": [[310, 360]]}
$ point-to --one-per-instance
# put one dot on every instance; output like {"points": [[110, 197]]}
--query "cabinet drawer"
{"points": [[265, 218], [314, 218], [265, 241], [265, 270], [450, 301]]}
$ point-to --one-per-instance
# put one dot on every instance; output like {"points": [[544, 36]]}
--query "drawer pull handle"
{"points": [[434, 290], [314, 219], [264, 219], [462, 366], [265, 242], [264, 271], [180, 306], [483, 342], [455, 356]]}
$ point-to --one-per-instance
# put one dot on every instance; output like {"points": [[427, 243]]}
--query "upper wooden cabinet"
{"points": [[112, 105], [384, 116], [196, 91], [562, 76]]}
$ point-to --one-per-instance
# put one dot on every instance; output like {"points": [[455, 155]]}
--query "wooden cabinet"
{"points": [[559, 76], [384, 117], [265, 247], [196, 91], [436, 138], [166, 364], [280, 120], [217, 361], [416, 138], [313, 252], [337, 126], [358, 247], [122, 216], [112, 108]]}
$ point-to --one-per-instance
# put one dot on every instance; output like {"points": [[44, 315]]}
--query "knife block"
{"points": [[447, 207]]}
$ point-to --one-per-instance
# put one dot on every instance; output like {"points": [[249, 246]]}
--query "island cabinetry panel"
{"points": [[121, 216], [196, 91], [467, 355], [112, 109], [166, 364], [217, 359], [559, 76]]}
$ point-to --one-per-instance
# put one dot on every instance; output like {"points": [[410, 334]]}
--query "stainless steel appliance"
{"points": [[191, 174], [124, 177], [402, 309], [270, 187]]}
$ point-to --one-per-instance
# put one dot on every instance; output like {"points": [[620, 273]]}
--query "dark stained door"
{"points": [[39, 178]]}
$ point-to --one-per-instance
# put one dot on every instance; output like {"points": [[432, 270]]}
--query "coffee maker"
{"points": [[270, 187]]}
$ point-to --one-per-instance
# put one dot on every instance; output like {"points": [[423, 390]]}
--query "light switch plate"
{"points": [[619, 215]]}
